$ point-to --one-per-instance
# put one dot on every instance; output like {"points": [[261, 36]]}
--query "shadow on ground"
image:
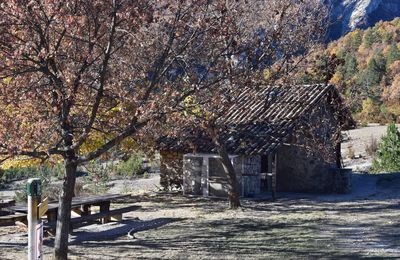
{"points": [[311, 226], [117, 229]]}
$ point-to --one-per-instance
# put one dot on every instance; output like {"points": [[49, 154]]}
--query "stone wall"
{"points": [[342, 179], [171, 173], [297, 171], [307, 163]]}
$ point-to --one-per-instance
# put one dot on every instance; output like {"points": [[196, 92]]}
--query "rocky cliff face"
{"points": [[347, 15]]}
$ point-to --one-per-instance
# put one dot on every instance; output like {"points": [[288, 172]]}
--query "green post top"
{"points": [[33, 187]]}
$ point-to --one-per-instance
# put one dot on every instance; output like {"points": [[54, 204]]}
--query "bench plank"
{"points": [[96, 216], [10, 219], [6, 203]]}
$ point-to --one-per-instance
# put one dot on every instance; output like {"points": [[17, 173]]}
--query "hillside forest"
{"points": [[365, 67]]}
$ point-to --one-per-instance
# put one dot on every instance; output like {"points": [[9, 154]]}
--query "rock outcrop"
{"points": [[347, 15]]}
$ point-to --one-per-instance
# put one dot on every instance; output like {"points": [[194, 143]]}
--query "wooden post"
{"points": [[85, 210], [105, 207], [274, 170], [52, 217], [269, 165], [34, 196], [338, 155], [205, 173]]}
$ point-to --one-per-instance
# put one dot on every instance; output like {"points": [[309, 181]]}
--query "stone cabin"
{"points": [[293, 132]]}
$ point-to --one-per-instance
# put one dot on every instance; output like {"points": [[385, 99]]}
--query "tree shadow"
{"points": [[117, 229]]}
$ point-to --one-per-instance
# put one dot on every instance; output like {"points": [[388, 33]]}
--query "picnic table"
{"points": [[82, 206], [7, 218]]}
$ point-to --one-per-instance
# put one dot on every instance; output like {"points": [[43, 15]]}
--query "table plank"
{"points": [[96, 216], [76, 202]]}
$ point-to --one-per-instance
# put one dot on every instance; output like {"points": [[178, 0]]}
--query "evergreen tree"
{"points": [[351, 66], [388, 154], [376, 69], [388, 38], [368, 38], [393, 54], [356, 40]]}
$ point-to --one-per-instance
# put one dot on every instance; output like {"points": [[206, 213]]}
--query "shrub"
{"points": [[21, 173], [57, 170], [350, 151], [20, 194], [96, 181], [131, 167], [388, 154], [2, 176], [364, 123], [79, 191], [372, 147]]}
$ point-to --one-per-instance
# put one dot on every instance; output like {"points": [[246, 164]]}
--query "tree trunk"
{"points": [[233, 191], [64, 211]]}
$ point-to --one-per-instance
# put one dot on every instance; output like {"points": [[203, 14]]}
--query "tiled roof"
{"points": [[262, 119]]}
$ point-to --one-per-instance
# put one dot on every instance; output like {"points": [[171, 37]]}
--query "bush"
{"points": [[57, 170], [45, 178], [132, 167], [350, 151], [21, 173], [96, 181], [388, 153], [372, 147]]}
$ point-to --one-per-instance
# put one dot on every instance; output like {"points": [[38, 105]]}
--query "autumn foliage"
{"points": [[368, 71]]}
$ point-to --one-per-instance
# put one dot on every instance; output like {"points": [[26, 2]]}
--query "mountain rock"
{"points": [[347, 15]]}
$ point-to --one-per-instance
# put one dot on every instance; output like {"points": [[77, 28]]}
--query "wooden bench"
{"points": [[115, 213], [9, 220], [6, 203]]}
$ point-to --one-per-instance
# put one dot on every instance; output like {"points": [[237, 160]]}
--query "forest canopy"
{"points": [[367, 71]]}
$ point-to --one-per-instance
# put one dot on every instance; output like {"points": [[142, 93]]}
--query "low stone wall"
{"points": [[342, 181], [171, 173]]}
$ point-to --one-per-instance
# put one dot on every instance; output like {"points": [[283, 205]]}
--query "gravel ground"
{"points": [[295, 226], [358, 139], [136, 186], [363, 224]]}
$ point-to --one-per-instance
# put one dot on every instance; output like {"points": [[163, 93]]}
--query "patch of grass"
{"points": [[126, 189]]}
